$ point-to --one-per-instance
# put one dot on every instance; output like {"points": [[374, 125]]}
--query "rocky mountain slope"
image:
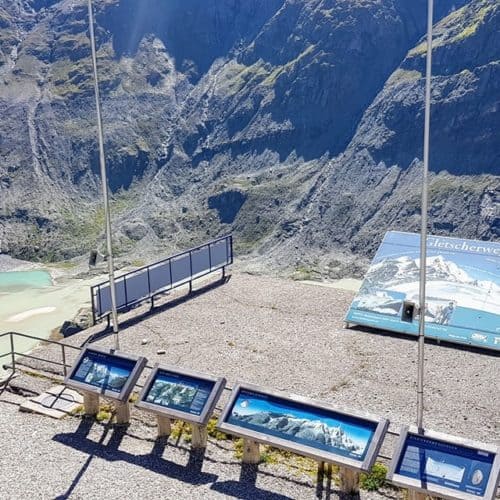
{"points": [[295, 123]]}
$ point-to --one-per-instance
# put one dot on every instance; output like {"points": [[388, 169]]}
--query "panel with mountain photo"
{"points": [[180, 392], [104, 371], [322, 429], [462, 291]]}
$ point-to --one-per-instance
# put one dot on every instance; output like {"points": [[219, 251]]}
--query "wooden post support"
{"points": [[90, 403], [122, 415], [251, 452], [321, 472], [349, 480], [199, 436], [164, 426], [416, 495]]}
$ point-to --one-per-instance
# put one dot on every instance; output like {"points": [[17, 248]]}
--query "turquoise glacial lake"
{"points": [[20, 300], [17, 281]]}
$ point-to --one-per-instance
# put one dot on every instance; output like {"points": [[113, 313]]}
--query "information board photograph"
{"points": [[462, 290], [181, 393], [303, 426], [445, 465], [110, 373]]}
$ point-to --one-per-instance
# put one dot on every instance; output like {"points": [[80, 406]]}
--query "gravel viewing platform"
{"points": [[281, 334]]}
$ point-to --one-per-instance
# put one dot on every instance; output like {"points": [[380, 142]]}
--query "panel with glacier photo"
{"points": [[326, 430], [463, 288]]}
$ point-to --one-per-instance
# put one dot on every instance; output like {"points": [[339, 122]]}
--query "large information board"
{"points": [[181, 393], [303, 426], [463, 289], [444, 465], [105, 372]]}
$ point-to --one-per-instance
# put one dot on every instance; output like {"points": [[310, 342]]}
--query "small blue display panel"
{"points": [[446, 464], [105, 371], [179, 392], [303, 424]]}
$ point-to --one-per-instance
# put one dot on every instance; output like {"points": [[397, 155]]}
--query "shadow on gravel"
{"points": [[158, 309], [237, 489], [246, 488], [428, 340], [190, 473]]}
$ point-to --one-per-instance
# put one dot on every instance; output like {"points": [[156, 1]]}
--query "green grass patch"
{"points": [[289, 66], [304, 273], [375, 479], [103, 416], [236, 76], [403, 76], [215, 433], [477, 20]]}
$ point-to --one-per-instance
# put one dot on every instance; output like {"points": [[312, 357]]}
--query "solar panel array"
{"points": [[146, 282]]}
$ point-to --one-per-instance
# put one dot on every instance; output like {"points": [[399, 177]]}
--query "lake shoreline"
{"points": [[8, 264]]}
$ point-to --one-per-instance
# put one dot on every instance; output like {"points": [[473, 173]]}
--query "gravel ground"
{"points": [[80, 458], [281, 334]]}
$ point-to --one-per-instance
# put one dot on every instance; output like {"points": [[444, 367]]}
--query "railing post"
{"points": [[125, 290], [65, 371], [170, 272], [149, 281], [12, 352], [94, 304]]}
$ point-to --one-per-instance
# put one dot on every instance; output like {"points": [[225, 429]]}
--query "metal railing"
{"points": [[13, 353], [148, 281]]}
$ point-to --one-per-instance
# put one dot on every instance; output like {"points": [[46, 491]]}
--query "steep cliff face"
{"points": [[375, 184], [296, 123]]}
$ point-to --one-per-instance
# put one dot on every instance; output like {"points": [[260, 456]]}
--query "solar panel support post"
{"points": [[191, 272], [104, 179], [423, 230]]}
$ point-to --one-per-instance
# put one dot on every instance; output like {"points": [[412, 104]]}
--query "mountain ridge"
{"points": [[299, 131]]}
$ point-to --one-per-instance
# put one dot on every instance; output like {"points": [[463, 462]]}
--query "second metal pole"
{"points": [[104, 180], [423, 230]]}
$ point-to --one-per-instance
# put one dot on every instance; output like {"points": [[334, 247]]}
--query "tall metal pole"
{"points": [[104, 180], [423, 230]]}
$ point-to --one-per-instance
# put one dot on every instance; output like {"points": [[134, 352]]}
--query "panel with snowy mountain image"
{"points": [[302, 424], [103, 371], [462, 290], [179, 392], [380, 301]]}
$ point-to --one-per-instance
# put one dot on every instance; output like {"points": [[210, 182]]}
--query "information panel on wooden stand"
{"points": [[107, 373], [181, 394], [445, 466], [304, 426]]}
